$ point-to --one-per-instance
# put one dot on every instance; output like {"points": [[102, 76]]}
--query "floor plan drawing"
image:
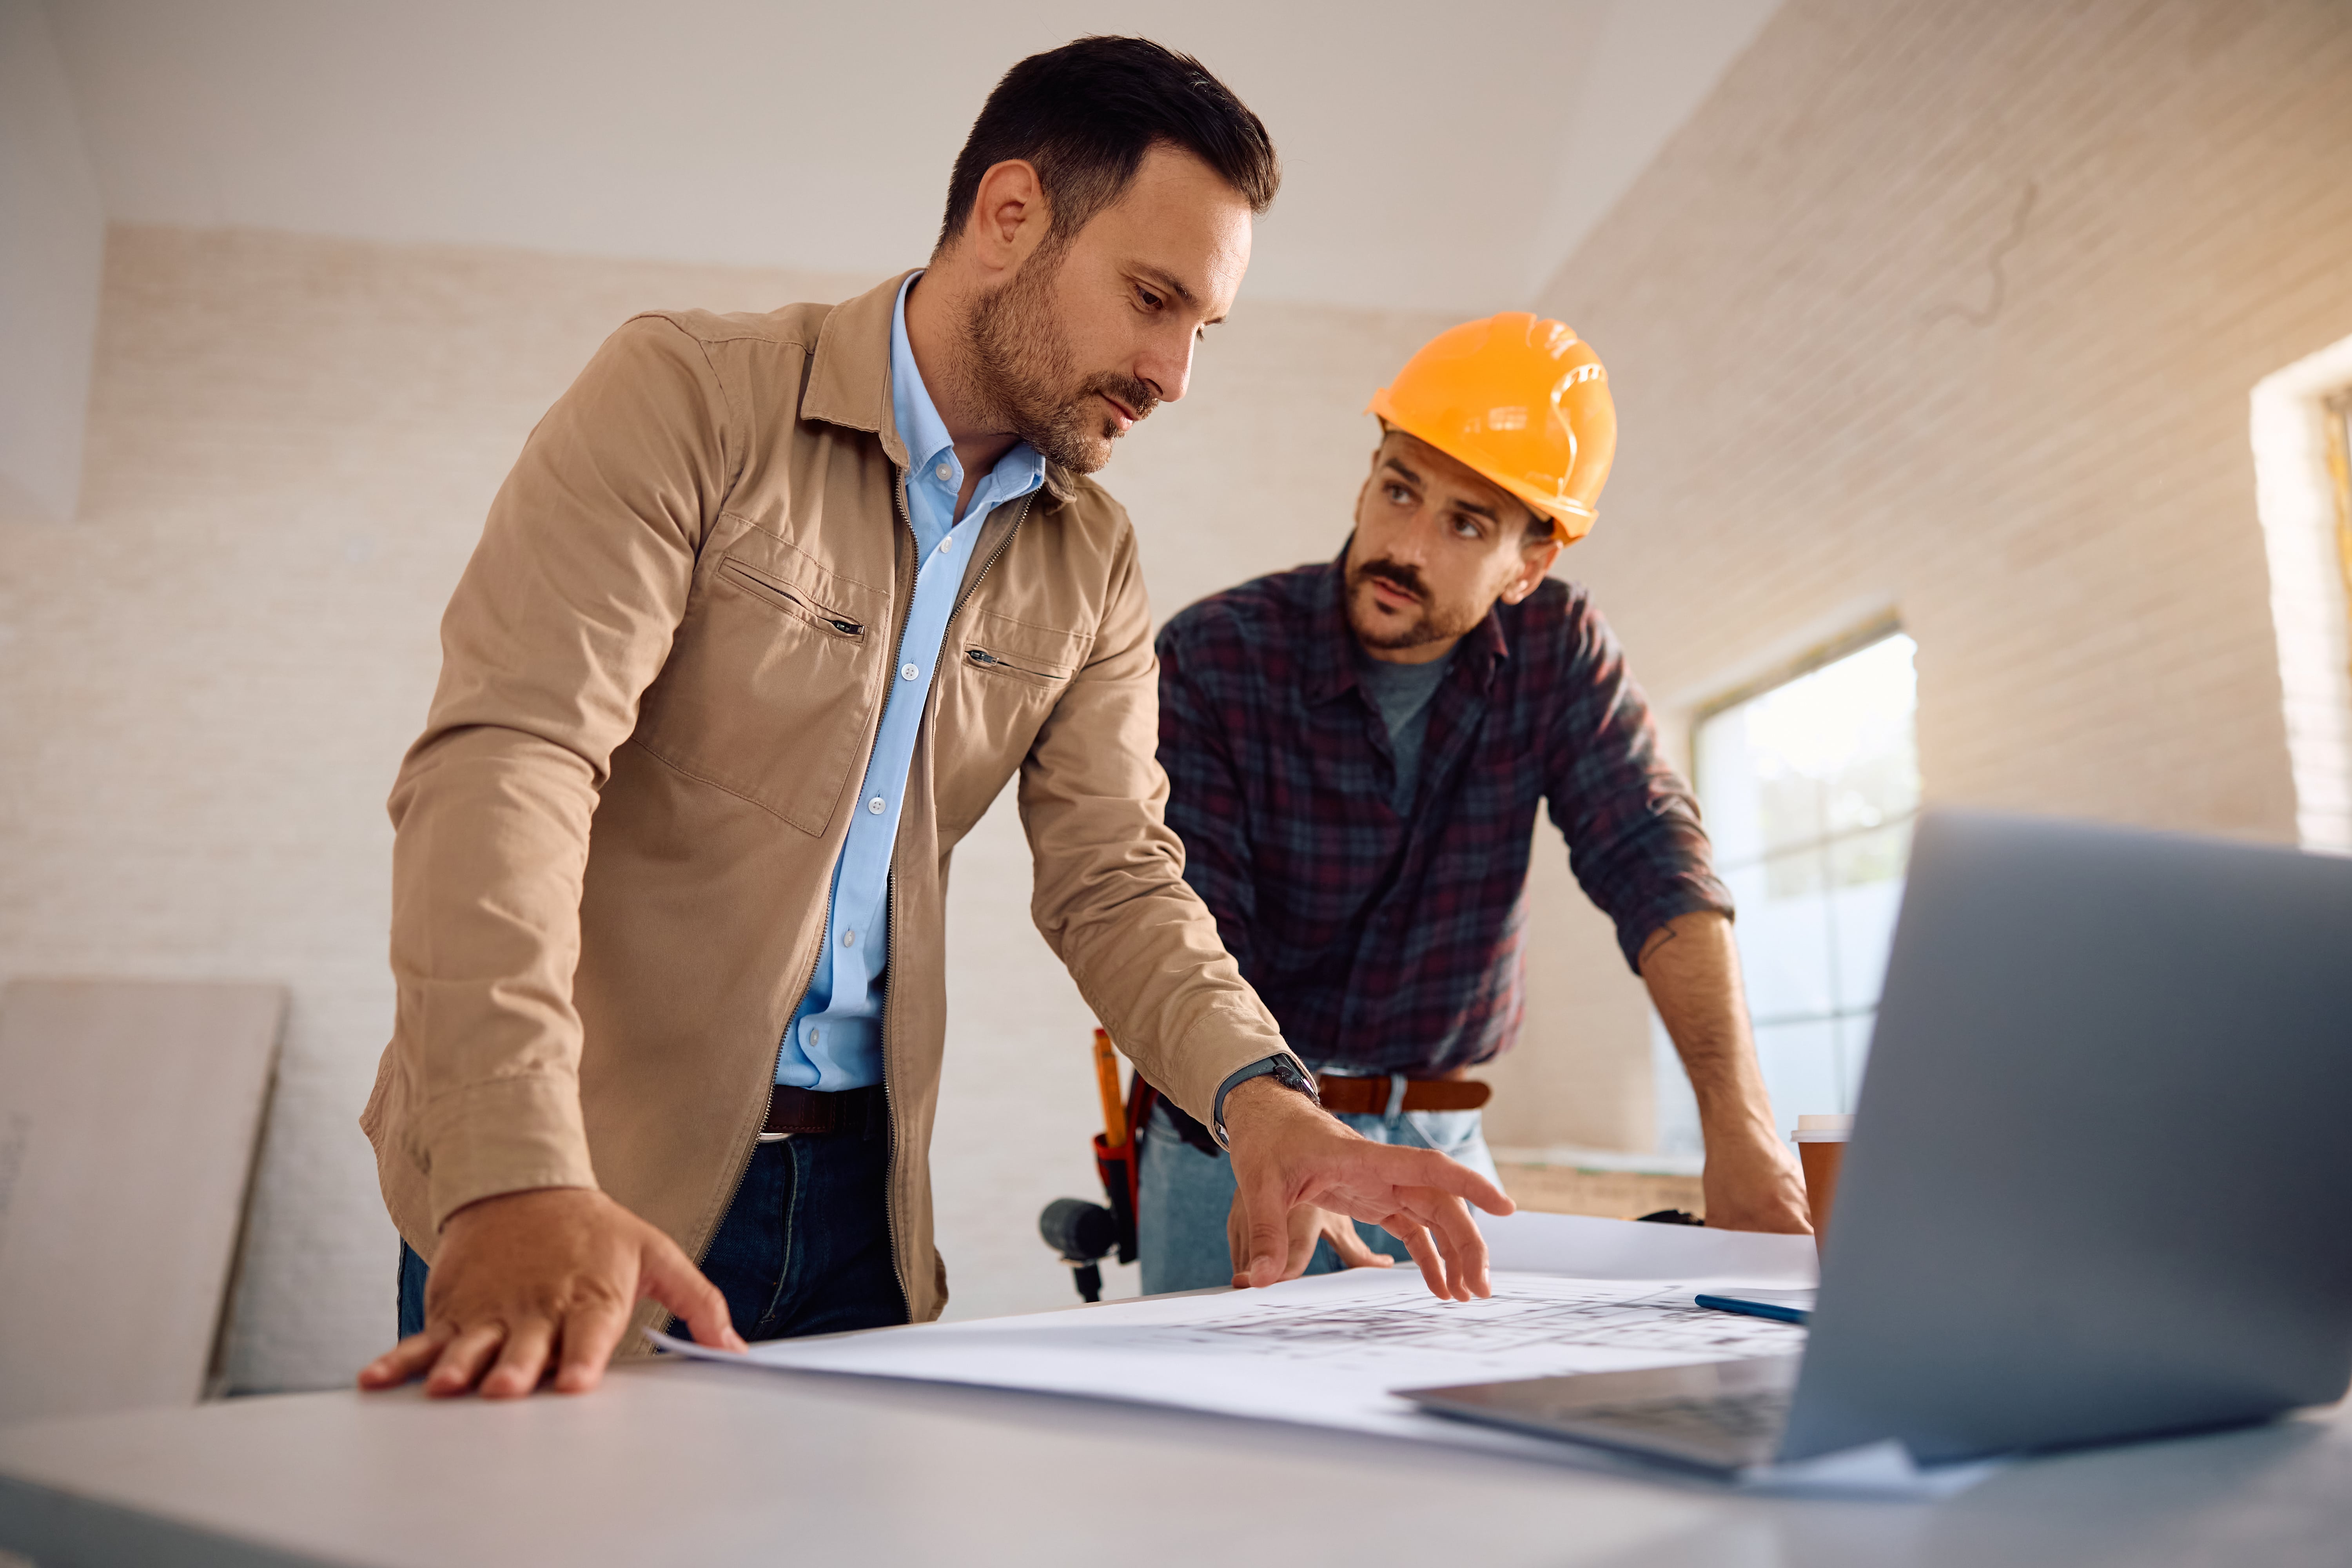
{"points": [[1328, 1350], [1525, 1314]]}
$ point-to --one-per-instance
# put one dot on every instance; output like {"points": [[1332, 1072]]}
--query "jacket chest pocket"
{"points": [[770, 689], [1005, 678]]}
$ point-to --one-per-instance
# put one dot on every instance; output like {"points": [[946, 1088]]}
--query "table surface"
{"points": [[709, 1465]]}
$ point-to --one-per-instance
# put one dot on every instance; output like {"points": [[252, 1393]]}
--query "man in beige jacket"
{"points": [[769, 611]]}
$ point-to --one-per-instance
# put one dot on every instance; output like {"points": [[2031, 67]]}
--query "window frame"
{"points": [[1841, 1017]]}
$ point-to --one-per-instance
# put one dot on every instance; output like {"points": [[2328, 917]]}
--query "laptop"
{"points": [[2095, 1184]]}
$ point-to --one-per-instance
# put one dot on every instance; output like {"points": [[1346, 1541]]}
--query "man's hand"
{"points": [[1752, 1183], [1288, 1153], [1307, 1226], [527, 1281], [1692, 967]]}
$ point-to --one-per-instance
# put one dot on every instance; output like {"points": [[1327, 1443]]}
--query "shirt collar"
{"points": [[1330, 661], [917, 418]]}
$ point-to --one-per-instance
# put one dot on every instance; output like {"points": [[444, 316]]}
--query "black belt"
{"points": [[799, 1112]]}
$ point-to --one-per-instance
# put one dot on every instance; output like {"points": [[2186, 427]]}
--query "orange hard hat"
{"points": [[1522, 400]]}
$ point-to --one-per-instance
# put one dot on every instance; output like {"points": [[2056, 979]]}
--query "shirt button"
{"points": [[908, 672], [815, 1035], [849, 938], [943, 473], [875, 806]]}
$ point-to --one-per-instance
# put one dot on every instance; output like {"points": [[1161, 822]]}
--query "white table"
{"points": [[709, 1465]]}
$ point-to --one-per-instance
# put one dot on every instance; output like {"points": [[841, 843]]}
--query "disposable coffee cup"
{"points": [[1820, 1147]]}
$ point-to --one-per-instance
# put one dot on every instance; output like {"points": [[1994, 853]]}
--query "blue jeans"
{"points": [[805, 1248], [1183, 1197]]}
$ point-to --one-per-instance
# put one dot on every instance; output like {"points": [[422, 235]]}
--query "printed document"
{"points": [[1570, 1295]]}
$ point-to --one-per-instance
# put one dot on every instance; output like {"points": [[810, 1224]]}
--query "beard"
{"points": [[1020, 374], [1376, 626]]}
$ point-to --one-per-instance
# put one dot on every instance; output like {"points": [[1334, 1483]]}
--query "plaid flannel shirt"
{"points": [[1389, 945]]}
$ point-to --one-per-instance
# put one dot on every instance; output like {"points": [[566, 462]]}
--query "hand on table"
{"points": [[530, 1280], [1751, 1182], [1290, 1155]]}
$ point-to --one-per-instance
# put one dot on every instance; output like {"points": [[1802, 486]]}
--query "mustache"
{"points": [[1397, 575], [1137, 397]]}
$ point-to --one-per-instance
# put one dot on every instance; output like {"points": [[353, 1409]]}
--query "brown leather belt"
{"points": [[798, 1112], [1371, 1096]]}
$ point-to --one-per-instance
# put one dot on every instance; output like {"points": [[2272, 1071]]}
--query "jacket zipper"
{"points": [[987, 660], [890, 968], [890, 897]]}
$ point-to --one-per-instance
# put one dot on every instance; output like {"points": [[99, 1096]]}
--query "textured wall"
{"points": [[207, 682], [52, 234], [1955, 309]]}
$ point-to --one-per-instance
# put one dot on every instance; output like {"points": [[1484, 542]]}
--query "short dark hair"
{"points": [[1084, 114]]}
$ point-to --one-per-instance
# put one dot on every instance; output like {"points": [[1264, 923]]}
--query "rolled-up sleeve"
{"points": [[1632, 829]]}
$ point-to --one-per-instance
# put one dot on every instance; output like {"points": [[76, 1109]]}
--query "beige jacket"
{"points": [[661, 675]]}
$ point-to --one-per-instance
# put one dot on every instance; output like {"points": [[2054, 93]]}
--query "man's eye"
{"points": [[1399, 495], [1151, 300]]}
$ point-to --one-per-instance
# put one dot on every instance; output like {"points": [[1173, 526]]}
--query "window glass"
{"points": [[1809, 789]]}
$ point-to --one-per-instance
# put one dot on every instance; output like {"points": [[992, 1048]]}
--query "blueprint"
{"points": [[1570, 1295], [1326, 1351]]}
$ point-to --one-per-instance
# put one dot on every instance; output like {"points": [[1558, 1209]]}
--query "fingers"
{"points": [[1452, 1177], [522, 1361], [1265, 1216], [590, 1334], [405, 1360], [1464, 1249], [1425, 1252], [1304, 1228], [669, 1277], [1353, 1253], [463, 1362]]}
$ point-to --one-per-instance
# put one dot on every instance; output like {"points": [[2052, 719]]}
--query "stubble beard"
{"points": [[1434, 624], [1020, 373]]}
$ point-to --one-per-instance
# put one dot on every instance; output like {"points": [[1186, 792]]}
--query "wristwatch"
{"points": [[1284, 1071]]}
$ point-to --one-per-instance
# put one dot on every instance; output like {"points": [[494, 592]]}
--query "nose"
{"points": [[1167, 368], [1414, 541]]}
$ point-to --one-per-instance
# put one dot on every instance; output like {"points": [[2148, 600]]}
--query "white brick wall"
{"points": [[207, 681], [1857, 369]]}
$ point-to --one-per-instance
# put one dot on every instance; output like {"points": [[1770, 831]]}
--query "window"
{"points": [[1808, 786]]}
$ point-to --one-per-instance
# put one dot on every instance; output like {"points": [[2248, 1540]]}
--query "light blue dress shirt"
{"points": [[835, 1040]]}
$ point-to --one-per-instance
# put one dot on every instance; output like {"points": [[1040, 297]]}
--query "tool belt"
{"points": [[801, 1113]]}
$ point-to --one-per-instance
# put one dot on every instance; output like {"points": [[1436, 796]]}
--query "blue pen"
{"points": [[1781, 1306]]}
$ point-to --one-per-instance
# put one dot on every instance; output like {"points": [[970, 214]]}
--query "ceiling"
{"points": [[1443, 158]]}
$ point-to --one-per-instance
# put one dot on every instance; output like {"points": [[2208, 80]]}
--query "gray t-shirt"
{"points": [[1401, 693]]}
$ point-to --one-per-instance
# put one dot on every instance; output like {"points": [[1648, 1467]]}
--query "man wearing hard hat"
{"points": [[1356, 752]]}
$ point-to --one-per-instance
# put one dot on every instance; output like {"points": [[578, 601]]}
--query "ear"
{"points": [[1534, 562], [1009, 216]]}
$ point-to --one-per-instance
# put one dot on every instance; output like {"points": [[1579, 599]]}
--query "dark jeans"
{"points": [[805, 1248]]}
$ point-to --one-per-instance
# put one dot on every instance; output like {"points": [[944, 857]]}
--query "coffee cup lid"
{"points": [[1823, 1129]]}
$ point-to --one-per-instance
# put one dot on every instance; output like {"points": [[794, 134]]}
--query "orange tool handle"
{"points": [[1114, 1104]]}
